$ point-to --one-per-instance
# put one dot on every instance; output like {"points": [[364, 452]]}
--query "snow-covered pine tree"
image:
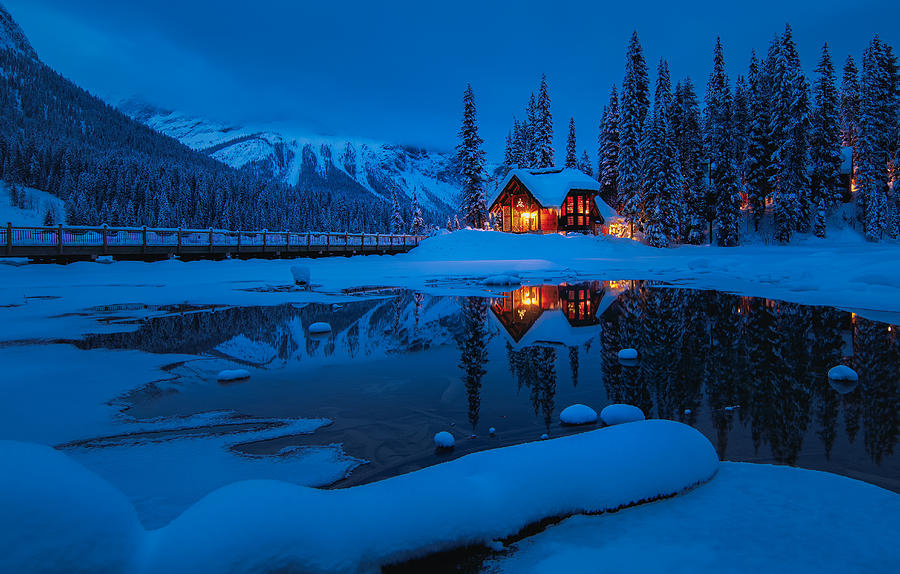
{"points": [[608, 165], [758, 165], [850, 106], [470, 159], [397, 224], [652, 143], [509, 151], [584, 164], [719, 139], [456, 224], [531, 160], [418, 223], [449, 223], [49, 216], [821, 217], [571, 149], [825, 136], [520, 144], [877, 129], [789, 133], [741, 126], [543, 130], [689, 142], [632, 112]]}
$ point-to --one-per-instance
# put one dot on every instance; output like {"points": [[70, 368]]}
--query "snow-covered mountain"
{"points": [[12, 37], [310, 161]]}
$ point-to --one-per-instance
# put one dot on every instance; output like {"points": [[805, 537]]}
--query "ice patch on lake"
{"points": [[620, 414], [301, 274], [578, 415], [264, 525]]}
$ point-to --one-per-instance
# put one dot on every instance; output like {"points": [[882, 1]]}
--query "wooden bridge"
{"points": [[59, 244]]}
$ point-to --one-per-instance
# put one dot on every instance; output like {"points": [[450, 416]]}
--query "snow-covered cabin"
{"points": [[548, 201]]}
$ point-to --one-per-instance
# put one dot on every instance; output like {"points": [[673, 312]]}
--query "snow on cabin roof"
{"points": [[549, 186]]}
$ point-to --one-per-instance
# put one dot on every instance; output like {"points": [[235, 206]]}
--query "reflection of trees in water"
{"points": [[535, 368], [472, 342], [877, 359], [771, 358], [573, 364]]}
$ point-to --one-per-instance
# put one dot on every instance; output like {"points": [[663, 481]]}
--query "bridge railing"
{"points": [[105, 237]]}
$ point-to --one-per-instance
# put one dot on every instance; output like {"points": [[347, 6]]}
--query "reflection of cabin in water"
{"points": [[566, 314], [549, 201]]}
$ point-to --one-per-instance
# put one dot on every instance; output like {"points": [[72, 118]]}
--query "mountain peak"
{"points": [[12, 37]]}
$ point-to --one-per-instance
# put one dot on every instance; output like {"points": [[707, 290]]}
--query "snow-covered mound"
{"points": [[233, 375], [320, 328], [444, 439], [619, 414], [628, 354], [806, 521], [57, 516], [294, 155], [300, 273], [578, 415], [62, 511], [842, 373]]}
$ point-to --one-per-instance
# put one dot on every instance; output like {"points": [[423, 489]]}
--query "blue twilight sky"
{"points": [[396, 70]]}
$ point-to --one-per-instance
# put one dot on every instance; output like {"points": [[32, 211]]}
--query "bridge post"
{"points": [[143, 239], [308, 240], [210, 240], [376, 241], [9, 237], [59, 238], [178, 251], [239, 241], [103, 233], [264, 240]]}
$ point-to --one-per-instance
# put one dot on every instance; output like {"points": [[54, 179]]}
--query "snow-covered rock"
{"points": [[842, 373], [444, 439], [545, 436], [619, 413], [578, 415], [233, 375], [501, 280], [492, 431], [300, 274], [319, 328], [628, 354]]}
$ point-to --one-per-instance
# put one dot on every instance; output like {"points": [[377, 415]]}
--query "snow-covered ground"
{"points": [[36, 204], [749, 518]]}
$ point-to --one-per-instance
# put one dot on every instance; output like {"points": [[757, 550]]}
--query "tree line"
{"points": [[769, 144]]}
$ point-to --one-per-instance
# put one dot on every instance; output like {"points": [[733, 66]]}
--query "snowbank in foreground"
{"points": [[259, 526], [749, 518]]}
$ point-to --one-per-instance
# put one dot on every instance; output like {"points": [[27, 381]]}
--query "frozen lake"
{"points": [[399, 366]]}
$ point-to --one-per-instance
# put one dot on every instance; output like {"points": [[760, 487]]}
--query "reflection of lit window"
{"points": [[521, 313]]}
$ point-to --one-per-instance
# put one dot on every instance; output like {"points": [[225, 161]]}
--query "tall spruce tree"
{"points": [[531, 112], [877, 121], [608, 166], [789, 133], [632, 112], [571, 148], [397, 223], [719, 140], [758, 165], [470, 159], [520, 144], [741, 126], [689, 142], [850, 106], [418, 222], [543, 130], [825, 137], [509, 150]]}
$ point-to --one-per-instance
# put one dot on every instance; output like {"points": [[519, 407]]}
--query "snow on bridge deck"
{"points": [[64, 244]]}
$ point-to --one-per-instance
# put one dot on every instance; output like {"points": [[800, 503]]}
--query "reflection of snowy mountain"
{"points": [[358, 166], [272, 337]]}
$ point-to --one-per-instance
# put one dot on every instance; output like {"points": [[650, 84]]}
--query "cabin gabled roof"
{"points": [[550, 186]]}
